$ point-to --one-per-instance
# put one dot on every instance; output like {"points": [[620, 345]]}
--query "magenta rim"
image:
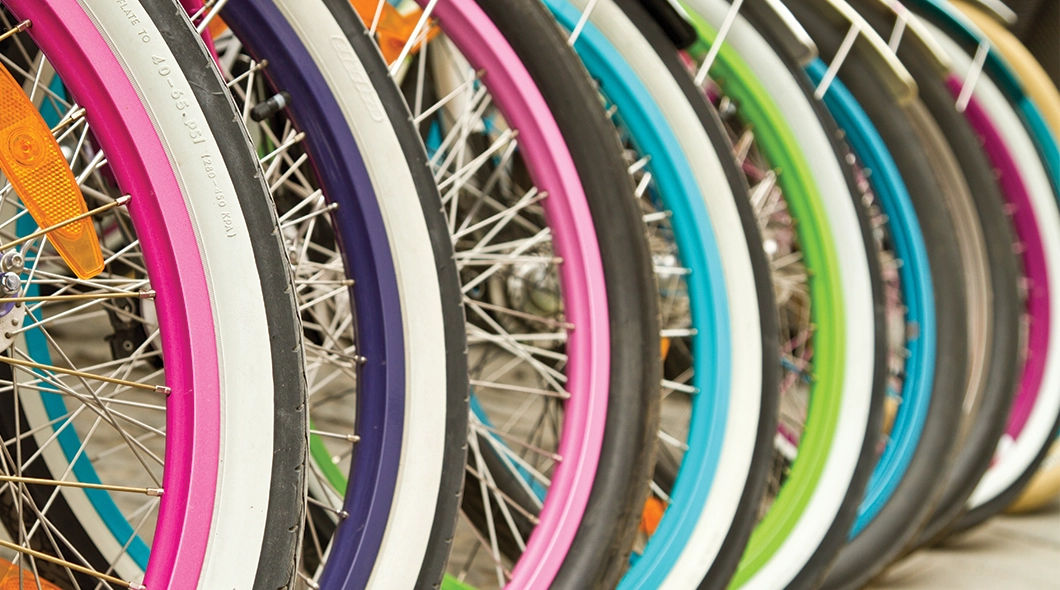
{"points": [[158, 210], [581, 274], [1032, 255]]}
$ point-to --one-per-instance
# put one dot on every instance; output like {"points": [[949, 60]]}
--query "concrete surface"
{"points": [[1007, 553]]}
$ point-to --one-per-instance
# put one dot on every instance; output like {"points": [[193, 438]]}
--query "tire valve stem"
{"points": [[268, 108]]}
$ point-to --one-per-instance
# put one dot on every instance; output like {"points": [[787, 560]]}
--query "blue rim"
{"points": [[649, 131], [917, 292]]}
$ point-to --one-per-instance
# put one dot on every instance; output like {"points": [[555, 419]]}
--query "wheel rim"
{"points": [[580, 278], [192, 421]]}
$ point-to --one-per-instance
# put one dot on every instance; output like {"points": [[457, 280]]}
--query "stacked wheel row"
{"points": [[630, 294]]}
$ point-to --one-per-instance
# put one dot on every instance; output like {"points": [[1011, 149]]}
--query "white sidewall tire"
{"points": [[416, 494], [741, 428], [857, 298], [1017, 455]]}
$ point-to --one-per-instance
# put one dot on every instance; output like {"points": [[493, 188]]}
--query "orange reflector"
{"points": [[9, 578], [651, 515], [216, 27], [665, 345], [37, 170], [394, 29]]}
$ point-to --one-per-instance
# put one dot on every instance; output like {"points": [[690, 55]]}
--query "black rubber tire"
{"points": [[911, 502], [605, 536], [728, 558], [1003, 370]]}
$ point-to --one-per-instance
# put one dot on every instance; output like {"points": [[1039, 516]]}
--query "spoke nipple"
{"points": [[347, 283], [147, 294], [136, 586], [163, 389], [343, 514], [22, 26], [352, 438], [360, 359], [123, 200], [157, 492], [557, 458]]}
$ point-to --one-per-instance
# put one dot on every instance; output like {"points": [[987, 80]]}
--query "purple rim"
{"points": [[337, 162]]}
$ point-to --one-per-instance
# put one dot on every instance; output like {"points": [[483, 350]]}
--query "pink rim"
{"points": [[581, 273], [159, 213], [1033, 258]]}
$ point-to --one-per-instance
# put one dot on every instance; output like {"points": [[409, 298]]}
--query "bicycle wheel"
{"points": [[321, 281], [785, 543], [997, 266], [151, 105], [922, 438], [1036, 412], [546, 367], [408, 394], [727, 434]]}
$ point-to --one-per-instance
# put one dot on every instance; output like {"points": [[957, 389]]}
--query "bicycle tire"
{"points": [[620, 483], [908, 134], [1000, 486], [986, 424], [603, 59], [517, 81], [715, 556], [758, 566], [377, 151], [277, 518]]}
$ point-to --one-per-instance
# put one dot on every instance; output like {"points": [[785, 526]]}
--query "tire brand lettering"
{"points": [[355, 70]]}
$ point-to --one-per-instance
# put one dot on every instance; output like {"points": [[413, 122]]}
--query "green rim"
{"points": [[777, 143]]}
